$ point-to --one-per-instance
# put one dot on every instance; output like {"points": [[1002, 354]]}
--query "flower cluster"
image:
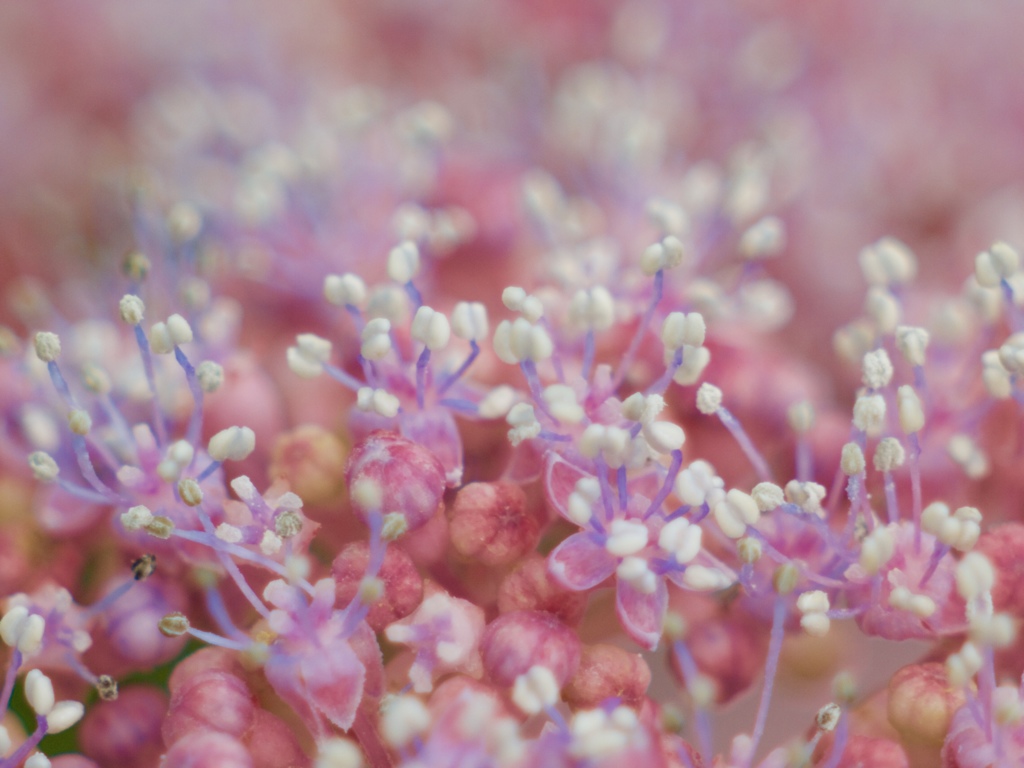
{"points": [[465, 423]]}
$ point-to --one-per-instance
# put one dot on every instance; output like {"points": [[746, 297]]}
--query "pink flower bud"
{"points": [[729, 651], [866, 750], [922, 703], [607, 671], [312, 461], [411, 479], [514, 642], [208, 749], [403, 585], [490, 523], [209, 701], [131, 625], [1004, 547], [530, 588], [72, 761], [126, 731], [272, 742], [461, 687], [205, 659]]}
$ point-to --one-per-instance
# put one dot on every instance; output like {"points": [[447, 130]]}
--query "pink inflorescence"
{"points": [[462, 395]]}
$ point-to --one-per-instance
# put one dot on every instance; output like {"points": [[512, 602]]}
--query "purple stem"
{"points": [[774, 649], [634, 345], [147, 364]]}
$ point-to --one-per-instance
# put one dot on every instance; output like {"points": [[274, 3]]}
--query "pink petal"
{"points": [[526, 462], [334, 678], [282, 671], [560, 479], [580, 563], [435, 430], [642, 615]]}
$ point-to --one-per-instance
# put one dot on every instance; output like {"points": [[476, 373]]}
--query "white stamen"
{"points": [[877, 369], [1011, 354], [270, 544], [39, 692], [497, 402], [43, 466], [520, 340], [695, 360], [179, 330], [664, 436], [806, 495], [230, 533], [47, 346], [337, 752], [403, 262], [431, 328], [814, 606], [378, 401], [626, 537], [635, 572], [681, 329], [79, 421], [767, 496], [681, 539], [210, 376], [581, 502], [376, 339], [136, 518], [524, 423], [912, 343], [889, 454], [734, 513], [911, 411], [974, 575], [876, 550], [469, 321], [592, 310], [995, 376], [64, 715], [403, 718], [767, 237], [132, 309], [698, 484], [561, 401], [888, 262], [233, 443], [307, 357], [347, 289], [704, 579], [709, 399], [801, 417], [869, 413], [535, 690], [998, 263]]}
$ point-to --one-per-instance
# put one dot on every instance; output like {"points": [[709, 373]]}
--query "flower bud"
{"points": [[410, 477], [491, 524], [515, 642], [605, 672]]}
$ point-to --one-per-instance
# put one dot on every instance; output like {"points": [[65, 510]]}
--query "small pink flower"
{"points": [[445, 633], [410, 478]]}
